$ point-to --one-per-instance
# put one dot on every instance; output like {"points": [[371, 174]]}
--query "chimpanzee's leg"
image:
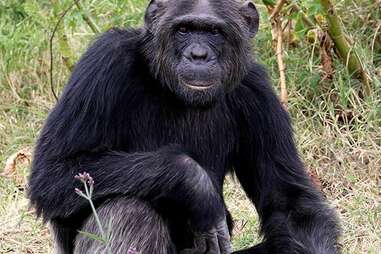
{"points": [[133, 225]]}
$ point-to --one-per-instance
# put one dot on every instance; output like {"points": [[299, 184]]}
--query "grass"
{"points": [[338, 134]]}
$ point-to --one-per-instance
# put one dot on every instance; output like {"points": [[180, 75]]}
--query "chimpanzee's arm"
{"points": [[83, 133], [167, 173], [294, 216]]}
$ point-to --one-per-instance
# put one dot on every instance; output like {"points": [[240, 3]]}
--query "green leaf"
{"points": [[300, 28], [269, 2]]}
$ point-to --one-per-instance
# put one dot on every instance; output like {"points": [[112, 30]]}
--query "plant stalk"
{"points": [[345, 49], [86, 17]]}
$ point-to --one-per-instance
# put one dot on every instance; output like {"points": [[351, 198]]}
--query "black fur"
{"points": [[123, 119]]}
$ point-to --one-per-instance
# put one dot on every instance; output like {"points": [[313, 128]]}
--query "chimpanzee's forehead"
{"points": [[200, 7], [205, 6]]}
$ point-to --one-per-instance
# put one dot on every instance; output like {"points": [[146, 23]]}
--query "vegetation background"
{"points": [[338, 130]]}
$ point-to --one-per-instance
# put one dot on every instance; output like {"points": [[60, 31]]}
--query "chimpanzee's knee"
{"points": [[132, 224]]}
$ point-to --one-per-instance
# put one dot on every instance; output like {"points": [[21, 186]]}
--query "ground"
{"points": [[338, 133]]}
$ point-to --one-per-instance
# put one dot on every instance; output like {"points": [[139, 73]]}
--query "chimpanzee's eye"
{"points": [[183, 29], [215, 31]]}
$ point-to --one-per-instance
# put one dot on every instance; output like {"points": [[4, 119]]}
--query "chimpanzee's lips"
{"points": [[198, 84]]}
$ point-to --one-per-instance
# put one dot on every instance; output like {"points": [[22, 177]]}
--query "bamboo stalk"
{"points": [[87, 18], [345, 49]]}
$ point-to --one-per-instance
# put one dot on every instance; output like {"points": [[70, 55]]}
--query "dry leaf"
{"points": [[315, 179], [22, 157], [326, 45]]}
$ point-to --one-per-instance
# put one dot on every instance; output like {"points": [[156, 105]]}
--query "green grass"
{"points": [[338, 133]]}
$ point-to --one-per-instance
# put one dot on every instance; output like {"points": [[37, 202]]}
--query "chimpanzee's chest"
{"points": [[209, 133]]}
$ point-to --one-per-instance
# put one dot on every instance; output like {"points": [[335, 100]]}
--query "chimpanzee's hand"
{"points": [[215, 241], [192, 187]]}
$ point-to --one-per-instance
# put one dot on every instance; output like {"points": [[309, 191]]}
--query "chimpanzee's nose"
{"points": [[199, 53]]}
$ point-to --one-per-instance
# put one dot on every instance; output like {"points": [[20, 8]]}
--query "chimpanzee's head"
{"points": [[199, 49]]}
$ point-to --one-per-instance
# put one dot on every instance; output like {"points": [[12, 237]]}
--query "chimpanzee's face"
{"points": [[199, 47], [202, 48]]}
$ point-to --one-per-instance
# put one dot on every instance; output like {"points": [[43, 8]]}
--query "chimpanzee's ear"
{"points": [[152, 11], [251, 16]]}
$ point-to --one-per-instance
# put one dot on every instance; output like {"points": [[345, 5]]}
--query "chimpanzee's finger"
{"points": [[215, 241], [199, 246], [223, 236], [212, 242]]}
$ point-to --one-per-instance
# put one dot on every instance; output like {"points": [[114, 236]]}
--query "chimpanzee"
{"points": [[158, 116]]}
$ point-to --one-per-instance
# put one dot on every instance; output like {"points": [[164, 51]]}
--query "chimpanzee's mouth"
{"points": [[197, 84], [200, 88]]}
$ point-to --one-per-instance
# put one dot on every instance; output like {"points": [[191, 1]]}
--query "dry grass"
{"points": [[350, 174]]}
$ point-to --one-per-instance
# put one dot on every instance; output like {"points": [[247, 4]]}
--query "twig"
{"points": [[278, 7], [281, 65], [276, 22], [51, 46], [307, 21], [13, 88], [374, 40], [275, 9]]}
